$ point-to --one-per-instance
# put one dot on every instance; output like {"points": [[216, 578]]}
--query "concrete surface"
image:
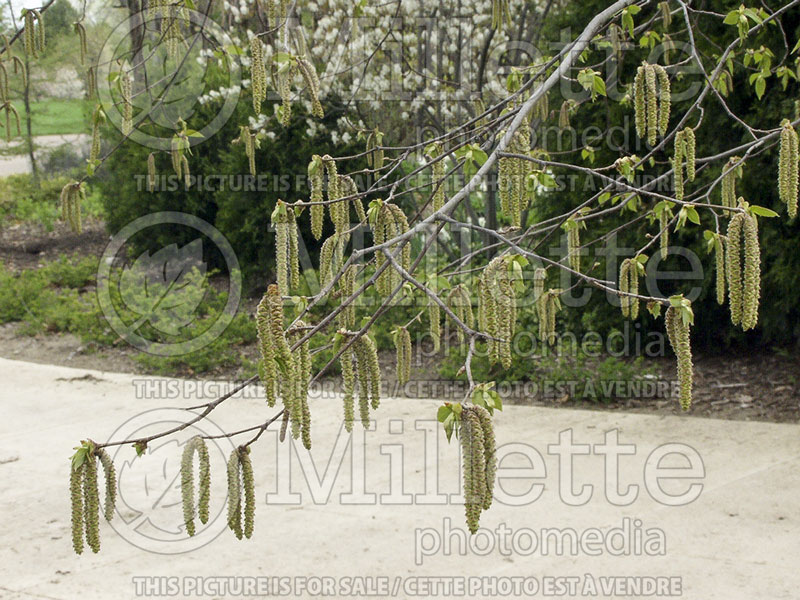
{"points": [[20, 163], [737, 539]]}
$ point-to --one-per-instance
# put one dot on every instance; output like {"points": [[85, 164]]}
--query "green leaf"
{"points": [[754, 209], [443, 412]]}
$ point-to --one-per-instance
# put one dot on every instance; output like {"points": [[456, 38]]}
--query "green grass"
{"points": [[58, 116], [60, 297]]}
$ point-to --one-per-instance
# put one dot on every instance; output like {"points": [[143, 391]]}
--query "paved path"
{"points": [[737, 540], [20, 163]]}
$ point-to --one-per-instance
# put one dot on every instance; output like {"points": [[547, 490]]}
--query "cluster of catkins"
{"points": [[85, 498], [512, 177], [678, 334], [497, 309], [72, 195], [361, 358], [629, 273], [743, 266], [479, 462], [390, 222], [180, 164], [459, 301], [34, 34], [435, 153], [731, 171], [195, 445], [258, 73], [651, 99], [684, 156], [788, 168], [284, 371], [402, 344], [374, 150], [241, 483], [287, 262]]}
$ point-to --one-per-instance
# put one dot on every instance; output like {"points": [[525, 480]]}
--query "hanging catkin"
{"points": [[728, 185], [81, 31], [286, 247], [402, 344], [348, 387], [390, 222], [76, 476], [478, 462], [573, 245], [489, 453], [195, 445], [652, 101], [258, 73], [91, 504], [317, 210], [248, 483], [719, 257], [309, 74], [72, 194], [743, 271], [629, 284], [459, 301], [302, 361], [234, 494], [125, 88], [512, 178], [678, 334], [788, 168]]}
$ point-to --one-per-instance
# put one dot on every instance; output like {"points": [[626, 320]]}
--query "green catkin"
{"points": [[734, 268], [91, 83], [677, 164], [91, 504], [268, 369], [678, 334], [29, 38], [151, 171], [348, 387], [248, 139], [719, 252], [434, 324], [728, 185], [195, 444], [664, 99], [489, 454], [71, 196], [285, 91], [76, 497], [284, 426], [125, 87], [302, 359], [402, 344], [512, 178], [690, 153], [624, 287], [652, 101], [248, 483], [461, 304], [258, 73], [640, 102], [629, 284], [363, 383], [347, 286], [563, 115], [234, 494], [666, 15], [474, 465], [309, 74], [650, 83], [110, 477], [663, 224], [286, 249], [438, 181], [348, 189], [788, 168], [374, 370], [548, 306], [573, 247], [81, 31], [751, 287], [317, 210], [97, 119], [539, 277]]}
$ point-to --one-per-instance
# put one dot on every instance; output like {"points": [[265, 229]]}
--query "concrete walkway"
{"points": [[20, 163], [383, 518]]}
